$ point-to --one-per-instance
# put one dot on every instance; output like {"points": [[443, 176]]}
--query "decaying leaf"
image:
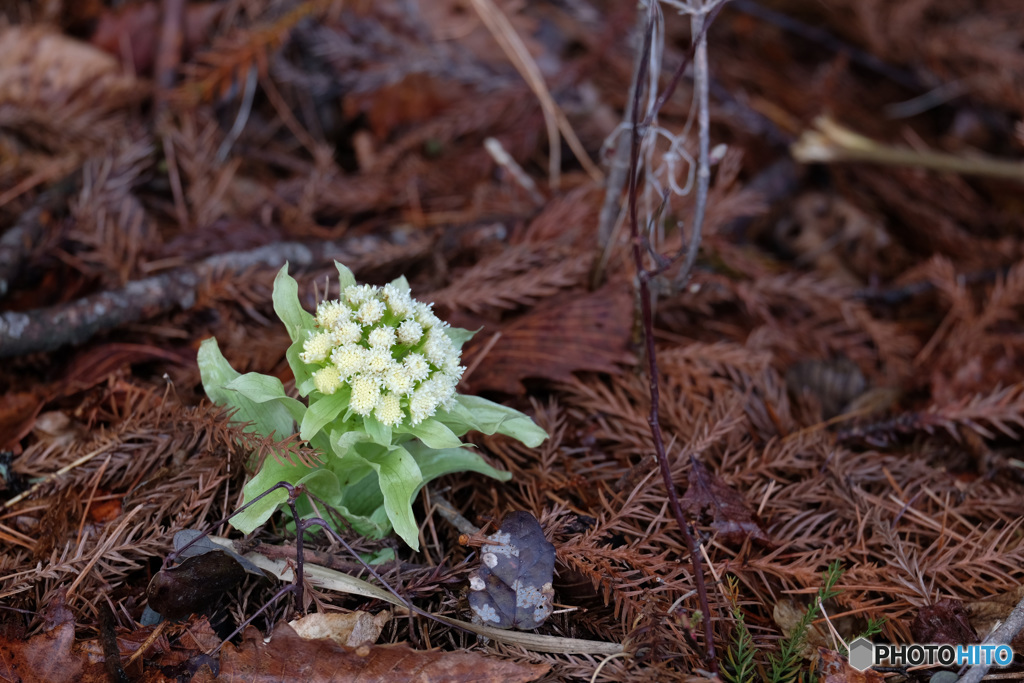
{"points": [[49, 656], [588, 332], [512, 587], [944, 622], [42, 64], [987, 614], [730, 514], [834, 668], [206, 572], [287, 657], [351, 629], [787, 615]]}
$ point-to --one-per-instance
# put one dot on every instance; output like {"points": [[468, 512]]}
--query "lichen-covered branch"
{"points": [[49, 329]]}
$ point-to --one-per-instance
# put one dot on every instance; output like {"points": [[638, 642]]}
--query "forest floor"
{"points": [[841, 374]]}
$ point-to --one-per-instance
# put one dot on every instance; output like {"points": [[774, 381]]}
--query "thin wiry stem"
{"points": [[652, 364], [700, 88]]}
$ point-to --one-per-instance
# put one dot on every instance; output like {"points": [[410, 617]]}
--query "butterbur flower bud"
{"points": [[365, 393], [327, 380], [389, 409], [317, 348], [330, 314], [391, 350], [348, 333], [410, 332], [382, 337], [370, 312]]}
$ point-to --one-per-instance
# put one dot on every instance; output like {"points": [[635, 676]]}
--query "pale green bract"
{"points": [[379, 371]]}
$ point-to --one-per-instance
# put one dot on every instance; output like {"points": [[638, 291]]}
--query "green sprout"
{"points": [[379, 370]]}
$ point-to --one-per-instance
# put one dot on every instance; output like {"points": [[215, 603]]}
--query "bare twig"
{"points": [[698, 27], [73, 323], [647, 313], [453, 516], [505, 160], [620, 164], [619, 167], [829, 142]]}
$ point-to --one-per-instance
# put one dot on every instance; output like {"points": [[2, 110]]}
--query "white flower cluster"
{"points": [[389, 348]]}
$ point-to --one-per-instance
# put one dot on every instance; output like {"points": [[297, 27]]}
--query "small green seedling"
{"points": [[378, 370]]}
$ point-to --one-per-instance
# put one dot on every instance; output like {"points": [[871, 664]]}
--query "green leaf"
{"points": [[267, 418], [364, 496], [344, 437], [435, 463], [288, 308], [302, 371], [473, 412], [459, 336], [379, 557], [265, 389], [432, 433], [325, 485], [345, 276], [400, 478], [401, 283], [271, 473], [376, 430], [323, 411]]}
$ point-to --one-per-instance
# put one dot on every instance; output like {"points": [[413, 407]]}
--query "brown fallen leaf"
{"points": [[175, 647], [18, 411], [787, 615], [287, 657], [49, 656], [834, 668], [579, 332], [731, 516], [988, 613], [41, 66], [351, 629], [944, 622]]}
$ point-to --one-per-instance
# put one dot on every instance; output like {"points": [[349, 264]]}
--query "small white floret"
{"points": [[316, 348], [410, 332], [382, 338], [365, 393], [327, 380], [370, 312], [388, 410]]}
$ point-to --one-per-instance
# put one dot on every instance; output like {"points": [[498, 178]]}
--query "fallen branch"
{"points": [[48, 329]]}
